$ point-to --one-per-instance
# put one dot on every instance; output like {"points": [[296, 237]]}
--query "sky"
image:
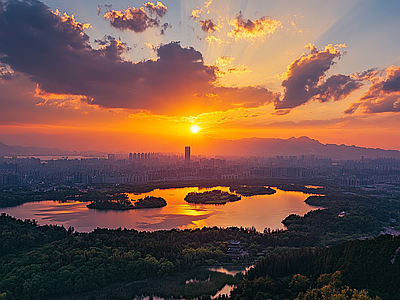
{"points": [[136, 76]]}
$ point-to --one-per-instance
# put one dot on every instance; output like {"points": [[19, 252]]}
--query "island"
{"points": [[248, 191], [211, 197], [150, 202], [146, 202]]}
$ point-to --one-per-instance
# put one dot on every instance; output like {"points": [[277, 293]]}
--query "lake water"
{"points": [[259, 211]]}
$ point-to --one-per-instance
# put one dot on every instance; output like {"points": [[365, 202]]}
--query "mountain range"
{"points": [[268, 147], [265, 147]]}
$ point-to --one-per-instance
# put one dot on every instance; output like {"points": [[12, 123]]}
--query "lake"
{"points": [[260, 211]]}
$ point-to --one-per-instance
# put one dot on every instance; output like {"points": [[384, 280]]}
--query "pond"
{"points": [[260, 211]]}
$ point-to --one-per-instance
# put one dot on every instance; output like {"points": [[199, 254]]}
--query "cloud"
{"points": [[208, 26], [224, 66], [100, 8], [59, 58], [382, 96], [305, 79], [136, 19], [251, 30], [160, 9], [164, 28], [5, 72], [195, 14]]}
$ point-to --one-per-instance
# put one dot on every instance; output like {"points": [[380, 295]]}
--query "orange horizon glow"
{"points": [[233, 70]]}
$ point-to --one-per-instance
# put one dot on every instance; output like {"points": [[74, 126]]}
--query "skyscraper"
{"points": [[187, 154]]}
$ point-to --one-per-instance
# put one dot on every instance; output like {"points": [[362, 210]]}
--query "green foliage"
{"points": [[211, 197], [17, 235], [150, 202], [363, 264], [248, 191], [329, 286]]}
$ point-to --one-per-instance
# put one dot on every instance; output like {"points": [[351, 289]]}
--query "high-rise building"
{"points": [[187, 154]]}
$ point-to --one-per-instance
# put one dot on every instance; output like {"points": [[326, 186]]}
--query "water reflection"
{"points": [[226, 290], [230, 270], [259, 211]]}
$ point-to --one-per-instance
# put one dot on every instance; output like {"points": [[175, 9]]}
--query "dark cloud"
{"points": [[305, 80], [208, 26], [164, 27], [336, 87], [111, 48], [137, 19], [55, 53], [382, 96]]}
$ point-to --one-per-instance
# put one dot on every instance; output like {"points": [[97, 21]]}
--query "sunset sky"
{"points": [[135, 76]]}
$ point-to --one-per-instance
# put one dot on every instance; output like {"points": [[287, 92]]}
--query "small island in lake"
{"points": [[150, 202], [248, 191], [211, 197], [146, 202]]}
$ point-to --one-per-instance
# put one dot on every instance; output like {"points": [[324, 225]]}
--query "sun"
{"points": [[194, 128]]}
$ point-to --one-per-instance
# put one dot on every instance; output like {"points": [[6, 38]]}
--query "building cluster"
{"points": [[153, 167]]}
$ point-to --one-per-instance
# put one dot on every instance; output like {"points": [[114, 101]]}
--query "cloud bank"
{"points": [[54, 51], [382, 96], [306, 79]]}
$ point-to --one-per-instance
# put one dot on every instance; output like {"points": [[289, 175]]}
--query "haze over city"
{"points": [[133, 76]]}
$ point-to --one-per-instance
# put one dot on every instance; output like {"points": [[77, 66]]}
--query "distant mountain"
{"points": [[39, 151], [294, 146], [242, 147], [5, 149]]}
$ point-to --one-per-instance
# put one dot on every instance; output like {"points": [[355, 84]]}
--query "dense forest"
{"points": [[331, 252], [44, 261], [371, 265]]}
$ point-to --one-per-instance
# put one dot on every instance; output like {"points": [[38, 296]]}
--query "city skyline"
{"points": [[157, 76]]}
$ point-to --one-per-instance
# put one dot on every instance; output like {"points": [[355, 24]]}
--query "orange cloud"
{"points": [[382, 96], [209, 26], [71, 21], [159, 9], [251, 30], [195, 13], [224, 66], [136, 19]]}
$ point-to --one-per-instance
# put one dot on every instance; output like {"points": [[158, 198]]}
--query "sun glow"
{"points": [[194, 128]]}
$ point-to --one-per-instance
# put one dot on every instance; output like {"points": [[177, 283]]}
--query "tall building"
{"points": [[187, 154]]}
